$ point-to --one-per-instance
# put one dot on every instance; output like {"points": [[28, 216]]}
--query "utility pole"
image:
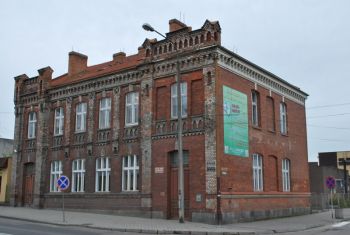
{"points": [[181, 196]]}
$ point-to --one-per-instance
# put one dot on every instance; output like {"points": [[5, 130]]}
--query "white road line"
{"points": [[338, 225], [5, 234]]}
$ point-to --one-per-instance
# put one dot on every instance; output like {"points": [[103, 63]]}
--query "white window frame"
{"points": [[131, 108], [80, 117], [105, 113], [130, 173], [174, 107], [55, 174], [31, 125], [258, 181], [255, 108], [283, 118], [78, 175], [286, 175], [103, 170], [59, 121]]}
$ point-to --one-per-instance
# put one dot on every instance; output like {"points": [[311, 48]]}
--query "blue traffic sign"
{"points": [[63, 182], [330, 182]]}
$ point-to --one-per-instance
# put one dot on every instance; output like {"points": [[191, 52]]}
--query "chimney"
{"points": [[119, 57], [77, 63], [175, 25], [45, 73]]}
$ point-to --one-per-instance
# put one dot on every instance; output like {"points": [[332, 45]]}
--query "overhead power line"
{"points": [[328, 105], [329, 115]]}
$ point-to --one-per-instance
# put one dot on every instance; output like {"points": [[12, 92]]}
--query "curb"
{"points": [[132, 230]]}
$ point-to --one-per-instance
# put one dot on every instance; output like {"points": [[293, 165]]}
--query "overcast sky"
{"points": [[306, 43]]}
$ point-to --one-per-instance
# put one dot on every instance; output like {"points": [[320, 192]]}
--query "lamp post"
{"points": [[181, 201]]}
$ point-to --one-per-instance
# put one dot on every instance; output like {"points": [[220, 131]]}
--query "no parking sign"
{"points": [[330, 182]]}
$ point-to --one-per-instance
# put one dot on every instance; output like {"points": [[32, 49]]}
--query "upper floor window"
{"points": [[103, 171], [255, 108], [132, 108], [80, 118], [55, 173], [130, 173], [286, 175], [105, 113], [78, 175], [283, 118], [59, 121], [31, 125], [257, 172], [174, 106]]}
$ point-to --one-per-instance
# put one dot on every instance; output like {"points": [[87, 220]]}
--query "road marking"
{"points": [[341, 224], [5, 234]]}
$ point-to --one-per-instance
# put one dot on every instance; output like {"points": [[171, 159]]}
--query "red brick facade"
{"points": [[217, 186]]}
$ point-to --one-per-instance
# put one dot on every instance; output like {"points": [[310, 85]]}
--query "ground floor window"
{"points": [[103, 171], [130, 175], [56, 172], [78, 175], [286, 175], [257, 172]]}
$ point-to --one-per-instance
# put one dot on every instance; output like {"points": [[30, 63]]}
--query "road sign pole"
{"points": [[332, 203], [64, 218]]}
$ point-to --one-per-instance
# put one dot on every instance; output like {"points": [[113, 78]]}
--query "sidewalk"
{"points": [[160, 226]]}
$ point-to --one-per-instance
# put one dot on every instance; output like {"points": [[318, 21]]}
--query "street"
{"points": [[341, 228], [19, 227]]}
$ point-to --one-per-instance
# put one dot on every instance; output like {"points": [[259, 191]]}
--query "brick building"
{"points": [[111, 128]]}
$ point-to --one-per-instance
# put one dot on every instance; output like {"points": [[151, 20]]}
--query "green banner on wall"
{"points": [[236, 139]]}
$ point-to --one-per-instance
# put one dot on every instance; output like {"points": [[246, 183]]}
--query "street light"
{"points": [[181, 203]]}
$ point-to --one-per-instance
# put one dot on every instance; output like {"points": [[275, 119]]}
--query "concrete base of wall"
{"points": [[204, 217], [244, 216]]}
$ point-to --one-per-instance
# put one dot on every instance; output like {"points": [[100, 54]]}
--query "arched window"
{"points": [[196, 40], [283, 118], [180, 45], [257, 172], [255, 108], [160, 50], [202, 38], [170, 47], [165, 49], [155, 51], [147, 53], [185, 43], [286, 175], [191, 41], [216, 36], [31, 125], [208, 37]]}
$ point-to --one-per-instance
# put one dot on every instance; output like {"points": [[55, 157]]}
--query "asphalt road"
{"points": [[19, 227], [342, 228]]}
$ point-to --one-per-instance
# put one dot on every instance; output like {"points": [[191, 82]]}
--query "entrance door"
{"points": [[28, 184], [173, 205]]}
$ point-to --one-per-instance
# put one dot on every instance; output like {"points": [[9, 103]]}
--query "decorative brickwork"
{"points": [[137, 150]]}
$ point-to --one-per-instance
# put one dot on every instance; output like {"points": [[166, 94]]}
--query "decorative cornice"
{"points": [[98, 84], [243, 69]]}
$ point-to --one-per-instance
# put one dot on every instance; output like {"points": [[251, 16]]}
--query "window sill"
{"points": [[131, 125], [130, 192], [80, 132], [57, 135], [175, 118], [284, 134], [104, 129], [272, 131], [256, 127]]}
